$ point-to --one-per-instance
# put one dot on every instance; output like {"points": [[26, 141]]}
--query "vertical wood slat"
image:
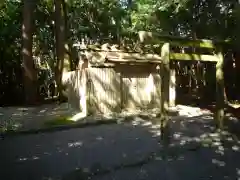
{"points": [[115, 88], [172, 85], [104, 90], [89, 92], [139, 89], [219, 113], [157, 90]]}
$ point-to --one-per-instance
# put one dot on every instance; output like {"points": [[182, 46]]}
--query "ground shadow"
{"points": [[25, 118], [134, 150]]}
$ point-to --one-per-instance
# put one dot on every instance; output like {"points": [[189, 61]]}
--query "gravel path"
{"points": [[25, 118], [130, 151]]}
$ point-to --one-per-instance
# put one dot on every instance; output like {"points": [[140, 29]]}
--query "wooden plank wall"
{"points": [[122, 87]]}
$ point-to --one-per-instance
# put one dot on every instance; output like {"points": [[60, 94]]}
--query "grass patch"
{"points": [[59, 121], [234, 104]]}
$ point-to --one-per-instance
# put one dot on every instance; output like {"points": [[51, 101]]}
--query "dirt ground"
{"points": [[25, 118]]}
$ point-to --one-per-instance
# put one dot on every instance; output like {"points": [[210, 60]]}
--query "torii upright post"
{"points": [[165, 76], [219, 113]]}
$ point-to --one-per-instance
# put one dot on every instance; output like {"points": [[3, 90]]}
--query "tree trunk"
{"points": [[68, 60], [130, 3], [237, 70], [59, 25], [29, 71]]}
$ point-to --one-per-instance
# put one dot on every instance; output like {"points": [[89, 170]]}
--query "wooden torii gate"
{"points": [[168, 74]]}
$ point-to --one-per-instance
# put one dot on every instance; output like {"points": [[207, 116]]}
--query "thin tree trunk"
{"points": [[29, 71], [68, 61], [130, 3]]}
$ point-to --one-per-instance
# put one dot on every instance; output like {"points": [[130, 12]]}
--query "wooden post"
{"points": [[83, 86], [165, 76], [172, 85], [219, 113]]}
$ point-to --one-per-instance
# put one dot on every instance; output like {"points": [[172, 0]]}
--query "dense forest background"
{"points": [[37, 38]]}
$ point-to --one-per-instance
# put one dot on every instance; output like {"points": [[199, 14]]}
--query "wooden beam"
{"points": [[134, 60], [103, 65], [191, 57], [154, 38], [220, 103], [137, 56], [189, 43]]}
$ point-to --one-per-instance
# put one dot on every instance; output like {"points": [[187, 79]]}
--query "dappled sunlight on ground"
{"points": [[24, 118], [191, 148], [78, 116], [78, 148], [33, 117]]}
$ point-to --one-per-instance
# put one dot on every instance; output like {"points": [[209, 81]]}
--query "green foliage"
{"points": [[10, 40], [109, 21], [100, 19], [44, 31]]}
